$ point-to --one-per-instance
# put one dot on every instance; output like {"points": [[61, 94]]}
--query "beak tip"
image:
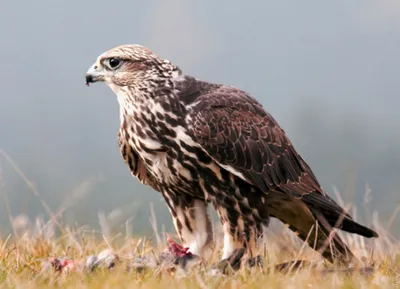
{"points": [[89, 79]]}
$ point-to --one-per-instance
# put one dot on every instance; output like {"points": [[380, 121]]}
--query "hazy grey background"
{"points": [[327, 70]]}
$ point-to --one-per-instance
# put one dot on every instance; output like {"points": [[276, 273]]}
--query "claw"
{"points": [[256, 261], [287, 267], [231, 263]]}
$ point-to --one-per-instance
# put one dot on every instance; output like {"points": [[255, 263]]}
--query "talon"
{"points": [[233, 262], [256, 261], [291, 265]]}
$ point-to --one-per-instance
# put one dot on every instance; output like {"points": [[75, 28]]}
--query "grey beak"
{"points": [[94, 74]]}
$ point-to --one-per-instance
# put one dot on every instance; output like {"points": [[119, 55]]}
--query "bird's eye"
{"points": [[114, 62]]}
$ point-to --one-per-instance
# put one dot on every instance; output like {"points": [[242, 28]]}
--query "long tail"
{"points": [[311, 226], [335, 215]]}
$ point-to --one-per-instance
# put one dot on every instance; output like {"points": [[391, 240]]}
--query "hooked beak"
{"points": [[94, 74]]}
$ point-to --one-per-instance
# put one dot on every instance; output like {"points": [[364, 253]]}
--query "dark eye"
{"points": [[114, 62]]}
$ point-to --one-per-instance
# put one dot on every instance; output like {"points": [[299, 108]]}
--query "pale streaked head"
{"points": [[129, 65]]}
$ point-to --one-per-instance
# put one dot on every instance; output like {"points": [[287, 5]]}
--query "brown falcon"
{"points": [[198, 142]]}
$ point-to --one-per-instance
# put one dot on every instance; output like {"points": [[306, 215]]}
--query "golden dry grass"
{"points": [[24, 254]]}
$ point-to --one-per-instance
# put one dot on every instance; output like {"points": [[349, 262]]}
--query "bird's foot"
{"points": [[232, 263], [290, 266], [235, 261], [256, 262]]}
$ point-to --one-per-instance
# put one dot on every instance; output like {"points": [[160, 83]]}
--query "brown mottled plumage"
{"points": [[199, 143]]}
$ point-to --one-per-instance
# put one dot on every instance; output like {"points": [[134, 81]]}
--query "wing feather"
{"points": [[235, 131], [240, 135]]}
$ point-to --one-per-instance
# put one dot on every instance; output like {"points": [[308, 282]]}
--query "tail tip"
{"points": [[370, 234]]}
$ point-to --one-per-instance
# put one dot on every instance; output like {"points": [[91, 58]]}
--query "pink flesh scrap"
{"points": [[177, 249], [59, 264]]}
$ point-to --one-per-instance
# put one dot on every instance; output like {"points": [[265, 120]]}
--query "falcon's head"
{"points": [[132, 66]]}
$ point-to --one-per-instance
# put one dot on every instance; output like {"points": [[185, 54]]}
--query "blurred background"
{"points": [[327, 71]]}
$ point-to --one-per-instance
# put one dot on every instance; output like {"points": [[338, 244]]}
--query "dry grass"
{"points": [[25, 254]]}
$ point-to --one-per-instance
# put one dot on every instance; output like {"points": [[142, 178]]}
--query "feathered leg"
{"points": [[191, 222], [240, 238]]}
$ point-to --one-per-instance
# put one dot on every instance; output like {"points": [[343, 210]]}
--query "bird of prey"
{"points": [[198, 142]]}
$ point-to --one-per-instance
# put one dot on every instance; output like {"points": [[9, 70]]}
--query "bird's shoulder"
{"points": [[213, 96], [220, 107], [235, 129]]}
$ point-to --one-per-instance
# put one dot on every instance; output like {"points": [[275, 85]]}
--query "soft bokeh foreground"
{"points": [[49, 254]]}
